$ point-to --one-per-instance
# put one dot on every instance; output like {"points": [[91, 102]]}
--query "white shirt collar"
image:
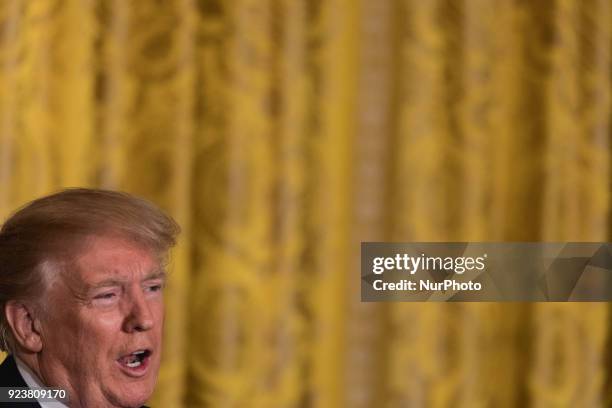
{"points": [[33, 381]]}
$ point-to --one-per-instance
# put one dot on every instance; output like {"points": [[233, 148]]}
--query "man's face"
{"points": [[102, 331]]}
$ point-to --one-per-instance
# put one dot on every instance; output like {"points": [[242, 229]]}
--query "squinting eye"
{"points": [[105, 296], [106, 299], [154, 288]]}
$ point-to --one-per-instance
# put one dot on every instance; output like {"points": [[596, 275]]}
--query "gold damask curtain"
{"points": [[282, 133]]}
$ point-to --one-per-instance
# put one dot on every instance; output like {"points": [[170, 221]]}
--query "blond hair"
{"points": [[55, 227]]}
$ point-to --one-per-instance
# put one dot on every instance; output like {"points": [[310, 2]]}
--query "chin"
{"points": [[133, 399], [131, 395], [134, 386]]}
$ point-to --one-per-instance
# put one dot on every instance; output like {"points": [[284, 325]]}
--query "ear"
{"points": [[25, 328]]}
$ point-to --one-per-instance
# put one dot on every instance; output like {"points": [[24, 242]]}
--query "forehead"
{"points": [[104, 257]]}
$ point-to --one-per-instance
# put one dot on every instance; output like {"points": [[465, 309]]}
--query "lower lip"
{"points": [[135, 372]]}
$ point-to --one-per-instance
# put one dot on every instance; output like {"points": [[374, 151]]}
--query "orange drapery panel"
{"points": [[281, 134]]}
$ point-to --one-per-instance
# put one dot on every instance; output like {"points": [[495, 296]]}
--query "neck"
{"points": [[37, 366], [32, 363], [30, 360]]}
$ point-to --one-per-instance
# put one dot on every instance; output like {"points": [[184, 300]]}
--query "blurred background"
{"points": [[282, 133]]}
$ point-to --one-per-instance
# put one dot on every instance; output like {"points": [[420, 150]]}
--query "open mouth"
{"points": [[136, 359]]}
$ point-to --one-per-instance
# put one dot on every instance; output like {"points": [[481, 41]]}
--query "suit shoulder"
{"points": [[9, 375]]}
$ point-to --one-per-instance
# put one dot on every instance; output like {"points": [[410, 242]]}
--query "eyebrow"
{"points": [[157, 274]]}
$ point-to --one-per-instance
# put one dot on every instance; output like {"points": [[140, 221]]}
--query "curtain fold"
{"points": [[281, 134]]}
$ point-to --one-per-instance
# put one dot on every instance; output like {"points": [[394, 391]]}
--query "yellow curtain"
{"points": [[282, 133]]}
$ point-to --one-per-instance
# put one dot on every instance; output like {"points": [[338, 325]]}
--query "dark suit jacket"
{"points": [[10, 377]]}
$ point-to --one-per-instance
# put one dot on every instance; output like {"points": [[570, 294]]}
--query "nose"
{"points": [[139, 317]]}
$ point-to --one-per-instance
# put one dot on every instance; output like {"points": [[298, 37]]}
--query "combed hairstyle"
{"points": [[55, 228]]}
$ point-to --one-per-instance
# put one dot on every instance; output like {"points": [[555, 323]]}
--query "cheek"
{"points": [[158, 317], [85, 331], [156, 308], [161, 312], [104, 329], [104, 321], [60, 328]]}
